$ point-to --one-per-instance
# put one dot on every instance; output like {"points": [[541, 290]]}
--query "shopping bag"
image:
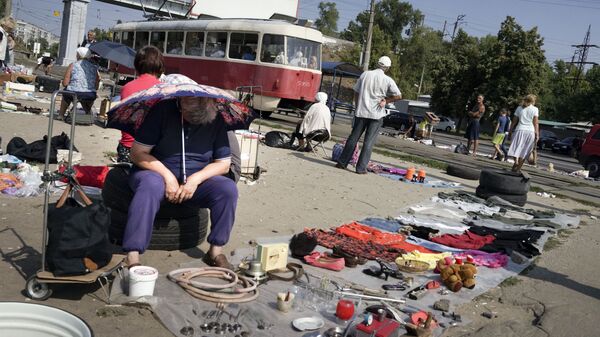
{"points": [[77, 235]]}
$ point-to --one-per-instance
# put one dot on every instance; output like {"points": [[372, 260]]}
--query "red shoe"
{"points": [[323, 260]]}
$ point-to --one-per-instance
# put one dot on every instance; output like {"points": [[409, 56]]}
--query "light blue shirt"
{"points": [[83, 77]]}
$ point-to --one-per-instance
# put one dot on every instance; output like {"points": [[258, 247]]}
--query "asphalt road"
{"points": [[560, 162], [574, 187]]}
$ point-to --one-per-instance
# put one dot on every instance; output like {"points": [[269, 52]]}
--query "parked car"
{"points": [[565, 146], [398, 120], [445, 124], [547, 139], [589, 155]]}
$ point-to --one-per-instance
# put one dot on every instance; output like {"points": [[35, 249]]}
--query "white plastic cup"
{"points": [[142, 280]]}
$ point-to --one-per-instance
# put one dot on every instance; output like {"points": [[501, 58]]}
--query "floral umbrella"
{"points": [[129, 114]]}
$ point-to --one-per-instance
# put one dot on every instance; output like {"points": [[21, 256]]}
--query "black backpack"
{"points": [[77, 236], [277, 139]]}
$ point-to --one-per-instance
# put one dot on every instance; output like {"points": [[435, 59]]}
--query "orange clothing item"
{"points": [[366, 233]]}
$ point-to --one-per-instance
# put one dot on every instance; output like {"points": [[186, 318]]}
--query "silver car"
{"points": [[445, 124]]}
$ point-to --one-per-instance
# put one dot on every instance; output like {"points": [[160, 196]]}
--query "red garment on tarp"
{"points": [[467, 240], [367, 233], [88, 175], [366, 249]]}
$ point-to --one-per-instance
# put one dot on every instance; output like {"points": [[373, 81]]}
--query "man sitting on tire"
{"points": [[159, 175]]}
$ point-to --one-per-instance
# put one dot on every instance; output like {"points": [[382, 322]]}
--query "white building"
{"points": [[26, 31]]}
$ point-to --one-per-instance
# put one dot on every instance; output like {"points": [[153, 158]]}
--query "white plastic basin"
{"points": [[35, 320]]}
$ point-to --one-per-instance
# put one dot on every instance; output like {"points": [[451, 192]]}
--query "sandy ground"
{"points": [[559, 296]]}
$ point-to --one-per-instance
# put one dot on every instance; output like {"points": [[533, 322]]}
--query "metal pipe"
{"points": [[368, 297], [72, 133]]}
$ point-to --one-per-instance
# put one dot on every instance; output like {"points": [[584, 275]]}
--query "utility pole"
{"points": [[367, 57], [444, 30], [8, 8], [457, 23], [582, 53]]}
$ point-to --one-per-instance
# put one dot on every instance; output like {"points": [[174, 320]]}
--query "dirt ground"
{"points": [[559, 296]]}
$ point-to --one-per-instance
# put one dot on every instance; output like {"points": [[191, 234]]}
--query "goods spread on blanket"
{"points": [[487, 233]]}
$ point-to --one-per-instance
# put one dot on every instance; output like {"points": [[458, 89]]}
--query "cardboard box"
{"points": [[248, 151]]}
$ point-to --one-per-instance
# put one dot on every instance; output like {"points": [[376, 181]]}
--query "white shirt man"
{"points": [[373, 90]]}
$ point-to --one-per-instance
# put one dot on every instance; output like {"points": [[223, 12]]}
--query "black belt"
{"points": [[292, 267]]}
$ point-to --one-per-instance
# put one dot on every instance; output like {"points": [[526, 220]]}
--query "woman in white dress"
{"points": [[524, 132]]}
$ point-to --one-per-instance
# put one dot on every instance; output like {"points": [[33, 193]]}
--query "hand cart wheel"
{"points": [[37, 290], [257, 172]]}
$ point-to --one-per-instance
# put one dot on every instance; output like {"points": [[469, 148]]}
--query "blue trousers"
{"points": [[360, 125], [219, 194]]}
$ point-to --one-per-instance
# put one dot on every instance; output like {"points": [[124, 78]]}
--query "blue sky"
{"points": [[562, 23]]}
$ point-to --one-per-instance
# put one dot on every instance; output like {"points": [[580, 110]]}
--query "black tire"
{"points": [[463, 172], [515, 199], [504, 181], [167, 234], [448, 129], [593, 165], [117, 195]]}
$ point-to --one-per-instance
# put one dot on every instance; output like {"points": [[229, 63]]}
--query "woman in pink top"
{"points": [[149, 65]]}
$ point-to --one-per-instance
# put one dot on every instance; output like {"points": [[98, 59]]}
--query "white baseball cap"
{"points": [[83, 52], [384, 61]]}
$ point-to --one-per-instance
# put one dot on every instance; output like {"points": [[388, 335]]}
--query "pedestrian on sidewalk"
{"points": [[472, 133], [524, 132], [500, 133], [373, 90]]}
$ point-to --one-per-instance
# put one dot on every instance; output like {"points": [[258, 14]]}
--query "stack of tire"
{"points": [[508, 185], [176, 226], [463, 172]]}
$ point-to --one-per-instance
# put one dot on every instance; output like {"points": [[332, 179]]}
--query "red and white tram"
{"points": [[280, 60]]}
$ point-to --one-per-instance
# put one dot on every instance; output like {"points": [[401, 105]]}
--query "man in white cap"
{"points": [[373, 90]]}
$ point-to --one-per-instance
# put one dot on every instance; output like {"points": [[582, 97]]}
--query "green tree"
{"points": [[586, 102], [557, 97], [456, 76], [53, 49], [515, 66], [328, 18], [393, 18]]}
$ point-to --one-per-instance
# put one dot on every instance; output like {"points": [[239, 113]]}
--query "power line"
{"points": [[581, 54]]}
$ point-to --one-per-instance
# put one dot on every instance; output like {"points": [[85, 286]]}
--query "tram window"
{"points": [[215, 44], [272, 50], [194, 43], [243, 46], [116, 36], [141, 40], [303, 53], [127, 39], [175, 43], [157, 39]]}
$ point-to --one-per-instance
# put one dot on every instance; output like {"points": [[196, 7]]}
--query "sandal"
{"points": [[350, 259]]}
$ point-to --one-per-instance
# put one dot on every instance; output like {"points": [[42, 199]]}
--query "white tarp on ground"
{"points": [[177, 310]]}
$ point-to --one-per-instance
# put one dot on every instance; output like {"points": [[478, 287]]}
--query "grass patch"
{"points": [[511, 281], [564, 233], [552, 243], [109, 154], [414, 159], [581, 201], [536, 189]]}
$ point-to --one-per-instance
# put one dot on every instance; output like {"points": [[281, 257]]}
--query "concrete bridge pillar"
{"points": [[72, 31]]}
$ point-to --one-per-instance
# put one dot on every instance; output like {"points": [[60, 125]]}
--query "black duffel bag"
{"points": [[77, 235], [277, 139]]}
